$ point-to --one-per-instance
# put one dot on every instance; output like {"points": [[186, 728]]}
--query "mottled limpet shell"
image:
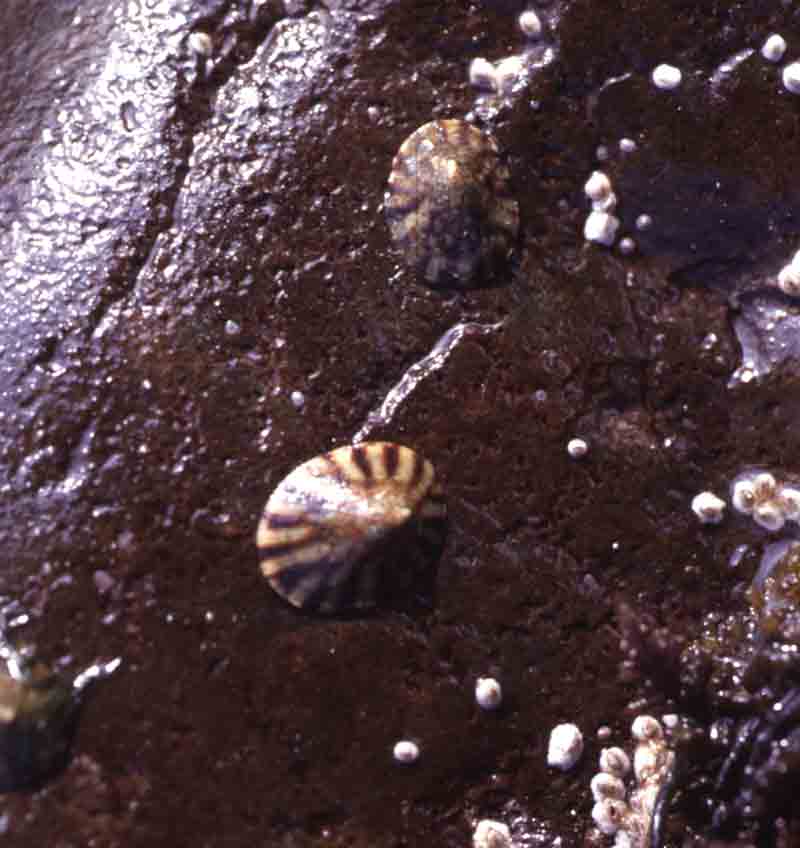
{"points": [[39, 714], [346, 529], [449, 205]]}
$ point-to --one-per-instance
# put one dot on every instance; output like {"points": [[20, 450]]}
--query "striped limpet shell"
{"points": [[449, 205], [352, 528]]}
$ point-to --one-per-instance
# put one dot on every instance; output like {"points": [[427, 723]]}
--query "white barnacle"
{"points": [[743, 496], [644, 222], [627, 246], [610, 815], [646, 762], [769, 515], [481, 74], [666, 77], [607, 786], [565, 746], [627, 145], [508, 72], [406, 752], [491, 834], [201, 44], [708, 508], [607, 204], [764, 486], [598, 186], [774, 48], [645, 728], [791, 78], [789, 499], [600, 227], [577, 448], [615, 761], [789, 279], [488, 693], [529, 24]]}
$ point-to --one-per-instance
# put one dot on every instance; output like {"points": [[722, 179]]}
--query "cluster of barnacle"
{"points": [[737, 684], [628, 814], [770, 503]]}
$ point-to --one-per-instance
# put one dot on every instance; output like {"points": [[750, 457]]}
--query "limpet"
{"points": [[449, 205], [348, 529], [39, 714]]}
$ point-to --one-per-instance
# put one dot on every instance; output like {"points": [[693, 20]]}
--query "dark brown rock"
{"points": [[187, 240]]}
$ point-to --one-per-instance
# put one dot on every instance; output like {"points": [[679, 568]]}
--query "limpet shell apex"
{"points": [[449, 205], [337, 526]]}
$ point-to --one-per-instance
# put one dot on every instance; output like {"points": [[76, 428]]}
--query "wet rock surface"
{"points": [[188, 239]]}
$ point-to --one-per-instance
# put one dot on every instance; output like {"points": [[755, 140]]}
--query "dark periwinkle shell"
{"points": [[39, 714]]}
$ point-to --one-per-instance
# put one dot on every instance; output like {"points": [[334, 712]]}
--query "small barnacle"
{"points": [[789, 500], [39, 714], [491, 834], [764, 486], [791, 78], [789, 279], [333, 529], [646, 729], [406, 752], [605, 785], [708, 508], [577, 448], [615, 761], [743, 496], [769, 515], [449, 205], [488, 693], [481, 74], [201, 43], [601, 228], [530, 24], [509, 73], [666, 77], [565, 746], [774, 48]]}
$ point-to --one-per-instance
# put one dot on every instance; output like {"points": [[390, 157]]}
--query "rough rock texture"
{"points": [[186, 241]]}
